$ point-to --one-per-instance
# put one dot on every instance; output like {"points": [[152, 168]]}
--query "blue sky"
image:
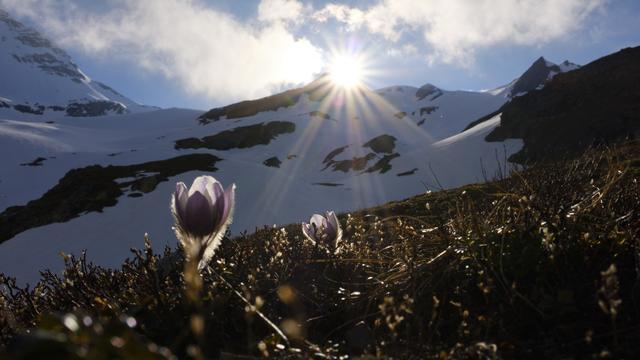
{"points": [[201, 54]]}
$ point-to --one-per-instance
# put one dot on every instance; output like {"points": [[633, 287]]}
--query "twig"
{"points": [[260, 314]]}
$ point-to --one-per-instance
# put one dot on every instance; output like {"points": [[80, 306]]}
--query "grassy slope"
{"points": [[517, 268]]}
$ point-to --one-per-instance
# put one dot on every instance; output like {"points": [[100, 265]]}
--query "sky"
{"points": [[206, 53]]}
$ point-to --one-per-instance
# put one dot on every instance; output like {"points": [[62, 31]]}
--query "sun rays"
{"points": [[346, 71], [354, 115]]}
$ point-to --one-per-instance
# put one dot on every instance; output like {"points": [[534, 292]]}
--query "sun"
{"points": [[346, 71]]}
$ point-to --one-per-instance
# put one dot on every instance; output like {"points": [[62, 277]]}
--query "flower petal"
{"points": [[308, 232], [218, 201], [338, 236], [200, 184], [319, 221], [179, 203], [213, 242], [332, 219], [198, 215], [229, 204]]}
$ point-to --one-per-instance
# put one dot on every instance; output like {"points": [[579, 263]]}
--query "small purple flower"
{"points": [[323, 229], [202, 214]]}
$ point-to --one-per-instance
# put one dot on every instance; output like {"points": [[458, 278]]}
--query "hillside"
{"points": [[594, 105], [538, 265]]}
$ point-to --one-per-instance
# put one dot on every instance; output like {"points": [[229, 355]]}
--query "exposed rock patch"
{"points": [[272, 162], [328, 184], [95, 187], [240, 137], [37, 162], [428, 90], [383, 165], [407, 173], [320, 114], [427, 110], [382, 144], [316, 91], [537, 75], [356, 163], [329, 158], [27, 109], [95, 108], [51, 64]]}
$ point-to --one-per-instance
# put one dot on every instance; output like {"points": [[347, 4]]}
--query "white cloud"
{"points": [[406, 50], [208, 52], [280, 10], [456, 29], [212, 53], [351, 16]]}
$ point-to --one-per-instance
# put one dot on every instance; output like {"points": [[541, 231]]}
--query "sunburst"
{"points": [[347, 71]]}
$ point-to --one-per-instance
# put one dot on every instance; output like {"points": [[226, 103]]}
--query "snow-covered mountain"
{"points": [[101, 182], [40, 78]]}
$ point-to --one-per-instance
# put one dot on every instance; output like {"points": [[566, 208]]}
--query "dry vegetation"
{"points": [[544, 264]]}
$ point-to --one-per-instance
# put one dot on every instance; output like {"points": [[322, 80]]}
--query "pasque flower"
{"points": [[202, 214], [323, 229]]}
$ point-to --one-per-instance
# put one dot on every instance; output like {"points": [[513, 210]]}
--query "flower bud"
{"points": [[202, 215], [323, 229]]}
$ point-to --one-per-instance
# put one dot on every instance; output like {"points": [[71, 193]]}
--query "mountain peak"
{"points": [[537, 75], [40, 77], [567, 65], [428, 89]]}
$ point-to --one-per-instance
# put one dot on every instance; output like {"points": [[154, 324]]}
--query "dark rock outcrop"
{"points": [[95, 108], [240, 137], [317, 90], [95, 187], [536, 76], [428, 90], [272, 162], [596, 104], [382, 144]]}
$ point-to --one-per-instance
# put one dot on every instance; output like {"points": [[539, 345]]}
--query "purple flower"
{"points": [[202, 214], [323, 229]]}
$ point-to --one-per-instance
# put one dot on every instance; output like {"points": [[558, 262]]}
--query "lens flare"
{"points": [[346, 71]]}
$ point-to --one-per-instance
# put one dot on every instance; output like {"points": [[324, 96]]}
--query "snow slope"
{"points": [[442, 113]]}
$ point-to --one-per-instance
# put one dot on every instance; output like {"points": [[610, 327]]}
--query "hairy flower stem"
{"points": [[193, 292]]}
